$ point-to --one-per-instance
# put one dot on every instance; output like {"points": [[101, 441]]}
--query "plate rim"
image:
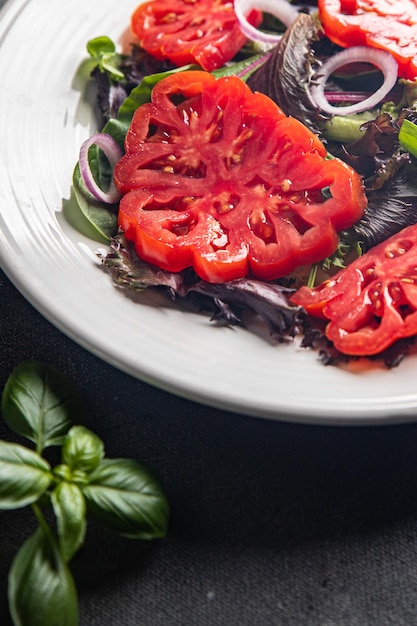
{"points": [[318, 415]]}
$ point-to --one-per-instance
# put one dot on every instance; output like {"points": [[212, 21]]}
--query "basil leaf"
{"points": [[24, 476], [70, 510], [125, 496], [39, 403], [82, 449], [41, 588]]}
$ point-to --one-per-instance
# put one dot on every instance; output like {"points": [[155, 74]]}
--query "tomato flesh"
{"points": [[217, 178], [205, 32], [372, 302], [382, 24]]}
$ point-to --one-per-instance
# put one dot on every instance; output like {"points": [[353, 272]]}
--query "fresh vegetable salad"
{"points": [[259, 158]]}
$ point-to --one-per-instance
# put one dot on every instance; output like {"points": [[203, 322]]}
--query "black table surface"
{"points": [[272, 523]]}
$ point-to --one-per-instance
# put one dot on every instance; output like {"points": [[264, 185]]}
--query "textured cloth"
{"points": [[272, 523]]}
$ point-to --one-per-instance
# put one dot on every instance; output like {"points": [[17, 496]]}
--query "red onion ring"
{"points": [[281, 9], [113, 153], [382, 59]]}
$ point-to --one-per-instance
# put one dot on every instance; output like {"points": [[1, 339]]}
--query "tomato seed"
{"points": [[400, 248], [197, 21], [215, 135], [169, 18], [395, 291]]}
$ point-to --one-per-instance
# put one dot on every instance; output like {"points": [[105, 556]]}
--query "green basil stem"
{"points": [[42, 521]]}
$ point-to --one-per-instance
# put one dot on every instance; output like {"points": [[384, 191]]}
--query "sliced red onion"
{"points": [[382, 59], [280, 9], [113, 153]]}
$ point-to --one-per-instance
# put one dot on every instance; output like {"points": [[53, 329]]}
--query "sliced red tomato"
{"points": [[205, 32], [217, 178], [372, 302], [382, 24]]}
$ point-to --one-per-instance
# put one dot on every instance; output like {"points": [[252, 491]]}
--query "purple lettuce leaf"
{"points": [[226, 301]]}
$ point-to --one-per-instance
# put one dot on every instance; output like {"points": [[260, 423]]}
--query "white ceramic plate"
{"points": [[43, 121]]}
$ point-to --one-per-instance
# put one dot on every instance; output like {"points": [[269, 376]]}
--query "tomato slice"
{"points": [[377, 23], [205, 32], [372, 302], [217, 178]]}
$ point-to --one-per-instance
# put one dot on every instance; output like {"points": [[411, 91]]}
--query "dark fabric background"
{"points": [[271, 523]]}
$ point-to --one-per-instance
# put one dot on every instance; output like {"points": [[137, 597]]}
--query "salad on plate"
{"points": [[258, 158]]}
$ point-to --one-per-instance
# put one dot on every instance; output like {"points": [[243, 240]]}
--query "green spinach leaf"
{"points": [[100, 217]]}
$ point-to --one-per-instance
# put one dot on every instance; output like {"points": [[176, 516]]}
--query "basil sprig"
{"points": [[42, 405]]}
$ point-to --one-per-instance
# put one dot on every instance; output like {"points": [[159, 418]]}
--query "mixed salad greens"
{"points": [[276, 176]]}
